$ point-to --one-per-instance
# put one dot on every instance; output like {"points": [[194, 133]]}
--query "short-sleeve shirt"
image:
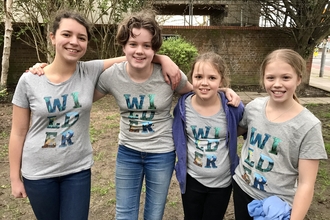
{"points": [[270, 155], [57, 142], [146, 121]]}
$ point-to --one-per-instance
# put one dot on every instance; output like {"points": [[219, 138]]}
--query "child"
{"points": [[49, 142], [284, 141], [146, 149], [205, 138]]}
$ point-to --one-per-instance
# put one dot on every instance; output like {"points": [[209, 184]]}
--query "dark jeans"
{"points": [[66, 197], [204, 203], [241, 201]]}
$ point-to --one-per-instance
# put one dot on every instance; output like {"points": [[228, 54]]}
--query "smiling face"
{"points": [[70, 40], [280, 80], [205, 80], [138, 50]]}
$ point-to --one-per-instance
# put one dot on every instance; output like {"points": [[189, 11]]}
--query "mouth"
{"points": [[204, 90], [139, 58], [72, 50], [278, 93]]}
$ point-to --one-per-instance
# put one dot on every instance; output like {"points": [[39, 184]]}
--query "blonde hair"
{"points": [[289, 56]]}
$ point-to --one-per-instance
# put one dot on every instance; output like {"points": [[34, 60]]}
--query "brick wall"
{"points": [[243, 48]]}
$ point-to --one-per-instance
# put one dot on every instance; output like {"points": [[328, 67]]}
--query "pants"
{"points": [[204, 203], [241, 201], [131, 168], [66, 197]]}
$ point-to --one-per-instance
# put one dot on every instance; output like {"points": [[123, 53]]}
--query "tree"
{"points": [[7, 42], [35, 17], [307, 21]]}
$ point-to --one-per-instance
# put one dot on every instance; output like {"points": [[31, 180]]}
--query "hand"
{"points": [[233, 98], [37, 68], [17, 189], [171, 71]]}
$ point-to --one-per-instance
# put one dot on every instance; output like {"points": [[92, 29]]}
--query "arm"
{"points": [[109, 62], [171, 71], [187, 88], [20, 126], [232, 96], [97, 95], [240, 131], [305, 191], [38, 67]]}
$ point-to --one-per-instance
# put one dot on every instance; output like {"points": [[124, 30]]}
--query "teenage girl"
{"points": [[284, 144], [205, 138], [146, 149], [49, 142]]}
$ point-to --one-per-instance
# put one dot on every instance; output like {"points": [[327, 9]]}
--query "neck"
{"points": [[213, 101], [139, 75]]}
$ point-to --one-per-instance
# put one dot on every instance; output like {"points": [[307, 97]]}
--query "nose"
{"points": [[139, 49], [73, 40], [204, 81], [277, 83]]}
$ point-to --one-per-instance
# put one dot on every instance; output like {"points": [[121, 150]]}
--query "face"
{"points": [[280, 81], [70, 40], [205, 80], [138, 50]]}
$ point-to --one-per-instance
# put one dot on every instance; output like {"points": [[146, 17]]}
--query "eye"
{"points": [[66, 34], [197, 76], [212, 78], [147, 46], [83, 38], [286, 77], [132, 44], [269, 78]]}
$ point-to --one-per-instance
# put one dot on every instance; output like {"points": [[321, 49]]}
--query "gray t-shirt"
{"points": [[146, 122], [208, 154], [269, 159], [57, 142]]}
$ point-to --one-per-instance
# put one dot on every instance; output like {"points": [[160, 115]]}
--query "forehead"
{"points": [[204, 67], [279, 66], [71, 24], [140, 33]]}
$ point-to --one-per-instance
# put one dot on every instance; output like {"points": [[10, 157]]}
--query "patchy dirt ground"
{"points": [[104, 132]]}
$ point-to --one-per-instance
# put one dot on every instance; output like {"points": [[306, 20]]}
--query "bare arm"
{"points": [[97, 95], [109, 62], [170, 70], [240, 131], [20, 126], [232, 96], [305, 191], [187, 88]]}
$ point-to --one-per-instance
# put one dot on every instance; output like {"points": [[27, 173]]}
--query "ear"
{"points": [[52, 38], [299, 80]]}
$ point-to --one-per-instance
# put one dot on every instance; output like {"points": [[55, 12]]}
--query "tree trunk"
{"points": [[7, 42]]}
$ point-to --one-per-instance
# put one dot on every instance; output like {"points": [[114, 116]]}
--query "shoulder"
{"points": [[257, 103], [309, 116], [115, 68]]}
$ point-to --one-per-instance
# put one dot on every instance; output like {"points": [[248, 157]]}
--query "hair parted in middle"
{"points": [[218, 64], [145, 19]]}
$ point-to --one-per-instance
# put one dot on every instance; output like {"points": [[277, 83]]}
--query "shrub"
{"points": [[180, 51]]}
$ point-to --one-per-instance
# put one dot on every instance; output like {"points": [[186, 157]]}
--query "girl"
{"points": [[284, 141], [205, 138], [146, 149], [49, 142]]}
